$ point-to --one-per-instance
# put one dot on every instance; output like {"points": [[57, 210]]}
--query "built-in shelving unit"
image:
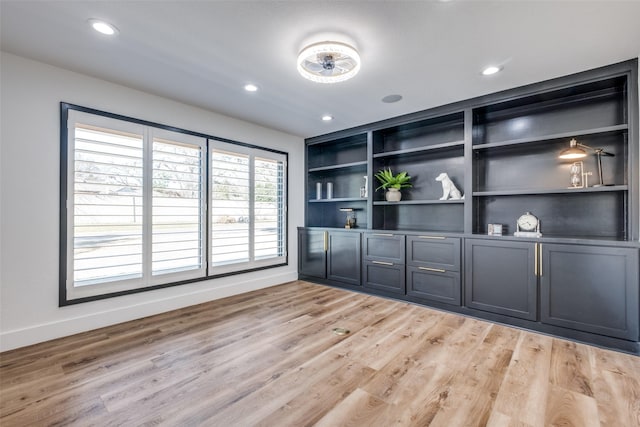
{"points": [[516, 168], [342, 164], [580, 280], [423, 148], [501, 151]]}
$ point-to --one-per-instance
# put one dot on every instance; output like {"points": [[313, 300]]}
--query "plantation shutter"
{"points": [[177, 204], [247, 205], [107, 204]]}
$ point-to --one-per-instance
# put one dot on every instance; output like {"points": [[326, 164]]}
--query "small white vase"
{"points": [[393, 195]]}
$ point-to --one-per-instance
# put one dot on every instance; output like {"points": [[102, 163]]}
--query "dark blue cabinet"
{"points": [[330, 255], [501, 277], [590, 288]]}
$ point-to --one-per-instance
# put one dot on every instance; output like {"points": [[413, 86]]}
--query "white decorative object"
{"points": [[494, 229], [364, 191], [449, 190], [393, 195], [579, 178], [318, 190], [329, 190], [528, 225]]}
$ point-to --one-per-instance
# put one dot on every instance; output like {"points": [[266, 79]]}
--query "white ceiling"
{"points": [[431, 52]]}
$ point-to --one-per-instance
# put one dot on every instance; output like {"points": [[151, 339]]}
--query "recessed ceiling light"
{"points": [[327, 118], [103, 27], [492, 69], [250, 87]]}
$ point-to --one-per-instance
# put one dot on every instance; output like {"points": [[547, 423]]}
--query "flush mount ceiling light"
{"points": [[103, 27], [250, 87], [327, 118], [328, 62]]}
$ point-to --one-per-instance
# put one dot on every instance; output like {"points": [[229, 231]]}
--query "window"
{"points": [[134, 206], [247, 208]]}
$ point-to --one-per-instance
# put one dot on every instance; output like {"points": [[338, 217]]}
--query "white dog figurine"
{"points": [[449, 190]]}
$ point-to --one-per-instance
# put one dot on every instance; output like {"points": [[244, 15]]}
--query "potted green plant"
{"points": [[392, 183]]}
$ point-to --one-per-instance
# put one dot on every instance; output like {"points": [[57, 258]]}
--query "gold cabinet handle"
{"points": [[437, 270], [382, 263], [535, 260], [432, 237], [383, 234], [326, 241], [540, 257]]}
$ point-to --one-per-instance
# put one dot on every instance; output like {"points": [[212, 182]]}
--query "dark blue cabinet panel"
{"points": [[312, 255], [500, 277], [590, 288]]}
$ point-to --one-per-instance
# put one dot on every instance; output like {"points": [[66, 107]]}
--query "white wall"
{"points": [[29, 200]]}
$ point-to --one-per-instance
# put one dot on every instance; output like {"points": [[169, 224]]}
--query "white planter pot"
{"points": [[393, 195]]}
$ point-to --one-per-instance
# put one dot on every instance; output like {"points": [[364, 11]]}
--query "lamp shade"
{"points": [[573, 152]]}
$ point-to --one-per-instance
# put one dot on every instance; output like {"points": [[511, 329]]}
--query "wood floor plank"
{"points": [[270, 358], [570, 367], [523, 393], [568, 408], [616, 384], [475, 387], [357, 409]]}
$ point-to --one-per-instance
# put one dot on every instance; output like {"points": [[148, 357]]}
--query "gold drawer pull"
{"points": [[432, 237], [437, 270], [382, 263], [383, 234]]}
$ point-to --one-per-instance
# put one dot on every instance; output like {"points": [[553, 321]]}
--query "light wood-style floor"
{"points": [[270, 358]]}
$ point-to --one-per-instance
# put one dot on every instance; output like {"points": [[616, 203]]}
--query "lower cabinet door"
{"points": [[343, 257], [590, 288], [500, 277], [429, 284], [312, 255], [384, 276]]}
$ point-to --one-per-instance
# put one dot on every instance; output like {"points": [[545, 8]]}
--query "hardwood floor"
{"points": [[270, 358]]}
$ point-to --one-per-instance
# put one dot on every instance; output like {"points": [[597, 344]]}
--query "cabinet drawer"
{"points": [[384, 247], [434, 251], [384, 276], [442, 286]]}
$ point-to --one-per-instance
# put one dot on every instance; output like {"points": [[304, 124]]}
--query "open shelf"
{"points": [[430, 133], [563, 135], [423, 168], [419, 150], [338, 200], [339, 166], [599, 215], [442, 217], [419, 202], [534, 168], [343, 152], [552, 191]]}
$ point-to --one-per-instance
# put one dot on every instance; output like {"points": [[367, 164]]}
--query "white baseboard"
{"points": [[10, 340]]}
